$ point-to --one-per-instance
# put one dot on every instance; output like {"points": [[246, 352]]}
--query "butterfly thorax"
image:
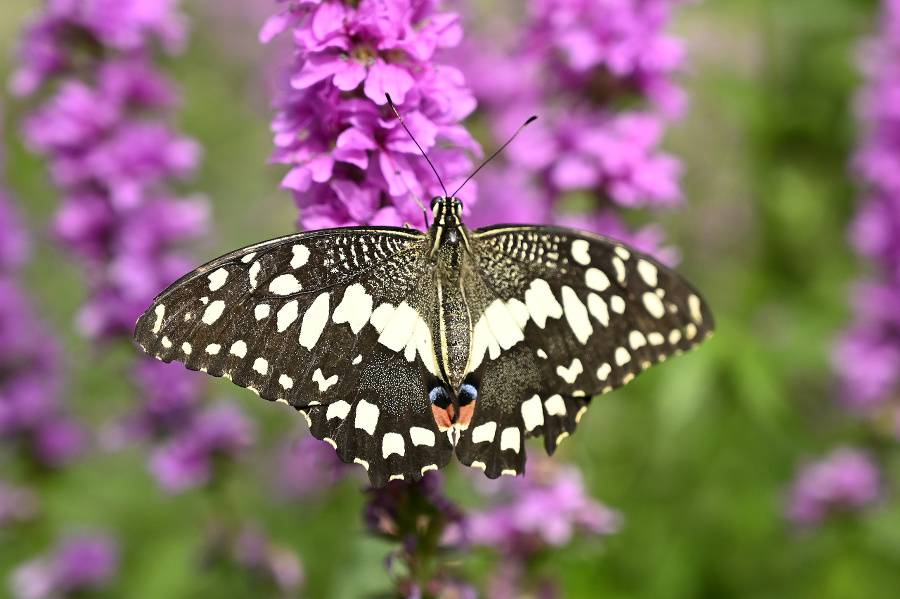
{"points": [[451, 257]]}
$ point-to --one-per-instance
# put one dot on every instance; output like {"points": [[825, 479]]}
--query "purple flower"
{"points": [[866, 357], [188, 459], [307, 466], [351, 160], [845, 481], [31, 416], [529, 515], [268, 561], [77, 564], [17, 504], [575, 64]]}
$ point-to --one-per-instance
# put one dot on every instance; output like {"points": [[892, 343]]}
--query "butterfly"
{"points": [[402, 347]]}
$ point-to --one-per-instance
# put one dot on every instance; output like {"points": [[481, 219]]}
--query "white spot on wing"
{"points": [[366, 416], [357, 359], [622, 252], [617, 304], [654, 305], [571, 373], [503, 325], [421, 436], [160, 312], [324, 383], [355, 308], [253, 272], [213, 348], [541, 354], [580, 249], [603, 371], [674, 336], [248, 257], [622, 356], [555, 405], [694, 306], [217, 279], [287, 315], [261, 365], [301, 256], [213, 312], [484, 432], [532, 413], [239, 348], [381, 315], [541, 302], [519, 312], [511, 438], [392, 443], [262, 311], [636, 339], [186, 348], [598, 308], [285, 381], [620, 269], [655, 338], [596, 279], [648, 272], [338, 409], [399, 328], [576, 315], [284, 285], [314, 321], [166, 342]]}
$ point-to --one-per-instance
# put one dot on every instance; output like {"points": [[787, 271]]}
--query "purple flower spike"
{"points": [[351, 161], [77, 564], [308, 467], [576, 64], [847, 480], [188, 459], [867, 356]]}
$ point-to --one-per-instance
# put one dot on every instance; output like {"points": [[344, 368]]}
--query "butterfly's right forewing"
{"points": [[335, 323]]}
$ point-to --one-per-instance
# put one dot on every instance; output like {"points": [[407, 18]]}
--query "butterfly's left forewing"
{"points": [[559, 316], [336, 323]]}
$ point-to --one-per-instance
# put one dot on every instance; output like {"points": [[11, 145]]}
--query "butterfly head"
{"points": [[447, 211]]}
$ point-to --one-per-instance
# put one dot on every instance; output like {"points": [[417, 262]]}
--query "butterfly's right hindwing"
{"points": [[335, 323]]}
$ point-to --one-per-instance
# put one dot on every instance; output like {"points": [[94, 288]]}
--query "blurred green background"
{"points": [[697, 453]]}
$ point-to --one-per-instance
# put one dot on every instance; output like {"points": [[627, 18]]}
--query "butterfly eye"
{"points": [[434, 202]]}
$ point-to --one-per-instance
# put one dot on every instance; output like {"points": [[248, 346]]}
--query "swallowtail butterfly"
{"points": [[400, 346]]}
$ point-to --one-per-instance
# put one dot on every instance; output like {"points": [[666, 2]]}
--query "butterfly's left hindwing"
{"points": [[559, 316], [335, 323]]}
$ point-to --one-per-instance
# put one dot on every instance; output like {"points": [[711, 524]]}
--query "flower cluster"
{"points": [[576, 64], [78, 564], [531, 514], [103, 126], [187, 459], [425, 523], [867, 357], [846, 480], [31, 415], [351, 161]]}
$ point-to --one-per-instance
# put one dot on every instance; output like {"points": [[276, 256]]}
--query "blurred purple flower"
{"points": [[31, 415], [529, 515], [103, 127], [188, 459], [576, 63], [845, 481], [351, 161], [77, 564], [17, 504], [308, 466], [866, 357], [268, 561]]}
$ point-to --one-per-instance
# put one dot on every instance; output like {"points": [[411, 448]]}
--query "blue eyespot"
{"points": [[467, 394], [440, 397]]}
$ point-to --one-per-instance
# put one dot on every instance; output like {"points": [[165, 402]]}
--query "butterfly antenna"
{"points": [[491, 157], [424, 155]]}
